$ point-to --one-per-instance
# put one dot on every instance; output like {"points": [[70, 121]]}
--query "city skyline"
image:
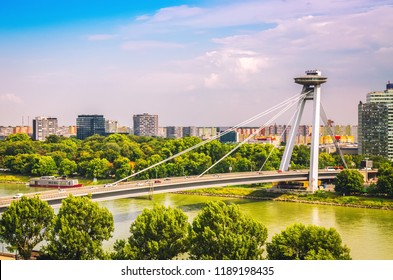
{"points": [[192, 63]]}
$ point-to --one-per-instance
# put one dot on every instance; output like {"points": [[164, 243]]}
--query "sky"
{"points": [[192, 63]]}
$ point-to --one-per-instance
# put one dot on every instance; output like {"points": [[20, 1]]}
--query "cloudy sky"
{"points": [[200, 62]]}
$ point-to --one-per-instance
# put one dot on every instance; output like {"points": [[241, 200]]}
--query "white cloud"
{"points": [[228, 68], [172, 13], [212, 80], [10, 98], [42, 78], [143, 45], [101, 37]]}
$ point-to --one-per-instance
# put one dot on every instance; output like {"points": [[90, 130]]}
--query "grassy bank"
{"points": [[320, 197], [17, 179]]}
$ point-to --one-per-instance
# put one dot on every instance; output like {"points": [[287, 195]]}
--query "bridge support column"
{"points": [[311, 87], [313, 177]]}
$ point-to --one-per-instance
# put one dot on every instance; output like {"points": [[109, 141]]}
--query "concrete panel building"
{"points": [[43, 127], [145, 125]]}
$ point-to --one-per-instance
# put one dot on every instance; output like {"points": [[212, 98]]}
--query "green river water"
{"points": [[367, 232]]}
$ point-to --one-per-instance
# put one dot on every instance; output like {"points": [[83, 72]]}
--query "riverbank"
{"points": [[320, 197], [12, 179]]}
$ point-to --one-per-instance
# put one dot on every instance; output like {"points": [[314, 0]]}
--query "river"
{"points": [[367, 232]]}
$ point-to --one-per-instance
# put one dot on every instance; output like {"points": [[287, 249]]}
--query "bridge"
{"points": [[125, 188], [149, 187]]}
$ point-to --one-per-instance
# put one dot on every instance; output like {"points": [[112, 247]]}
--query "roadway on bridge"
{"points": [[153, 186]]}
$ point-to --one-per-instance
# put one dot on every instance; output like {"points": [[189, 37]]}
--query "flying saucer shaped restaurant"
{"points": [[312, 78]]}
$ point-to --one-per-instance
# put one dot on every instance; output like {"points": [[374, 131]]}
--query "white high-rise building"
{"points": [[111, 126], [43, 127]]}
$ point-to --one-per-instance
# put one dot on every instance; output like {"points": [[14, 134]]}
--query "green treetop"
{"points": [[222, 232], [300, 242], [160, 233], [26, 223], [80, 228]]}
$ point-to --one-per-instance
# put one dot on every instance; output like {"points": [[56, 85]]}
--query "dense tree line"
{"points": [[218, 232], [119, 155]]}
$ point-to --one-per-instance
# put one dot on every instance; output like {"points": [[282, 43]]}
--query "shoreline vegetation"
{"points": [[261, 192], [14, 179], [319, 197]]}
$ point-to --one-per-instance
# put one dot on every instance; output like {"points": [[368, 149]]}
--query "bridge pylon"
{"points": [[312, 89]]}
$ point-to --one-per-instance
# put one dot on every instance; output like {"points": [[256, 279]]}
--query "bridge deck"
{"points": [[142, 188]]}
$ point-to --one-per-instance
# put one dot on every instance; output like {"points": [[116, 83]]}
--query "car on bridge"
{"points": [[17, 195]]}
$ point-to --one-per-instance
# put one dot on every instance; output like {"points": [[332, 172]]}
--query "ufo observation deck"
{"points": [[312, 78]]}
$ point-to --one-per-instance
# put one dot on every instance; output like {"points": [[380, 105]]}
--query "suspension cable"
{"points": [[282, 104], [286, 128], [251, 135], [325, 120]]}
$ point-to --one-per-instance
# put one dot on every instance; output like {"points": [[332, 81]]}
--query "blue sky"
{"points": [[203, 63]]}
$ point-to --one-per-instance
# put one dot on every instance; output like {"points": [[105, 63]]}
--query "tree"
{"points": [[349, 182], [18, 137], [97, 168], [157, 234], [79, 229], [58, 156], [111, 151], [196, 163], [131, 150], [139, 166], [385, 179], [122, 251], [243, 165], [67, 167], [222, 232], [53, 138], [325, 160], [44, 166], [122, 167], [18, 147], [25, 223], [21, 163], [300, 242], [300, 156]]}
